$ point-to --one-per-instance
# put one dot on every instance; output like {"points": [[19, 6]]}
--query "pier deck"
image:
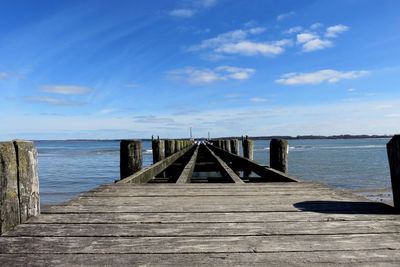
{"points": [[208, 224], [203, 205]]}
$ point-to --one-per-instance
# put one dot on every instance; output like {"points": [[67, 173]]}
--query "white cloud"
{"points": [[224, 38], [236, 73], [306, 37], [351, 89], [192, 8], [236, 42], [248, 48], [257, 30], [333, 31], [258, 100], [152, 119], [182, 13], [65, 89], [285, 15], [316, 44], [318, 77], [311, 42], [293, 30], [53, 101], [316, 26], [204, 76]]}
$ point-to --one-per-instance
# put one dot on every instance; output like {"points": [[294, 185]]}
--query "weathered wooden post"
{"points": [[9, 202], [157, 146], [178, 145], [393, 151], [247, 146], [19, 183], [131, 157], [235, 146], [278, 151], [28, 179], [169, 147], [227, 145]]}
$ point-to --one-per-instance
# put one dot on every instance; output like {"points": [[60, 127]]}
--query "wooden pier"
{"points": [[197, 207]]}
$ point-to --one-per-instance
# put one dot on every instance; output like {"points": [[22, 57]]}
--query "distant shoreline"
{"points": [[299, 137]]}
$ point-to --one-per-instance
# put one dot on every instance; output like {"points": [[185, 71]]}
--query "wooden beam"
{"points": [[225, 169], [263, 171], [189, 168], [145, 175]]}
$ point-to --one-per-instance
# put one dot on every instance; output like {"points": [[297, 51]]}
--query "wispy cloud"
{"points": [[333, 31], [285, 15], [237, 43], [351, 89], [182, 13], [189, 9], [152, 119], [7, 74], [320, 76], [316, 26], [293, 30], [65, 89], [131, 85], [204, 76], [258, 100], [53, 101], [232, 95]]}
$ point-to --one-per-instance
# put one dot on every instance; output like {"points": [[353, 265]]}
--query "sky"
{"points": [[133, 69]]}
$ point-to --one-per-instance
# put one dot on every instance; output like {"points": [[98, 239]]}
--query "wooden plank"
{"points": [[317, 206], [226, 170], [204, 244], [367, 257], [187, 172], [285, 199], [207, 229], [210, 217], [145, 175]]}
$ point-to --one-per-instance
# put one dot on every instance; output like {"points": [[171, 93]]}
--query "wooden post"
{"points": [[169, 147], [28, 179], [393, 151], [9, 201], [157, 146], [19, 183], [247, 146], [131, 157], [278, 150], [227, 145], [235, 146], [178, 145]]}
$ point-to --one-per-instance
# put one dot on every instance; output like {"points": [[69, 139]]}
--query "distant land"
{"points": [[299, 137]]}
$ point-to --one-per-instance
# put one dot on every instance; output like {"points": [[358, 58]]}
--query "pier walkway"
{"points": [[242, 222]]}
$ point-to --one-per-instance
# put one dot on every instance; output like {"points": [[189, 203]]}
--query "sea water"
{"points": [[68, 168]]}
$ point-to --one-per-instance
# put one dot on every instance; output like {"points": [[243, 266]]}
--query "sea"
{"points": [[69, 168]]}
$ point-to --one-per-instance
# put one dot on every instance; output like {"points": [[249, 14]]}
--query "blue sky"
{"points": [[130, 69]]}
